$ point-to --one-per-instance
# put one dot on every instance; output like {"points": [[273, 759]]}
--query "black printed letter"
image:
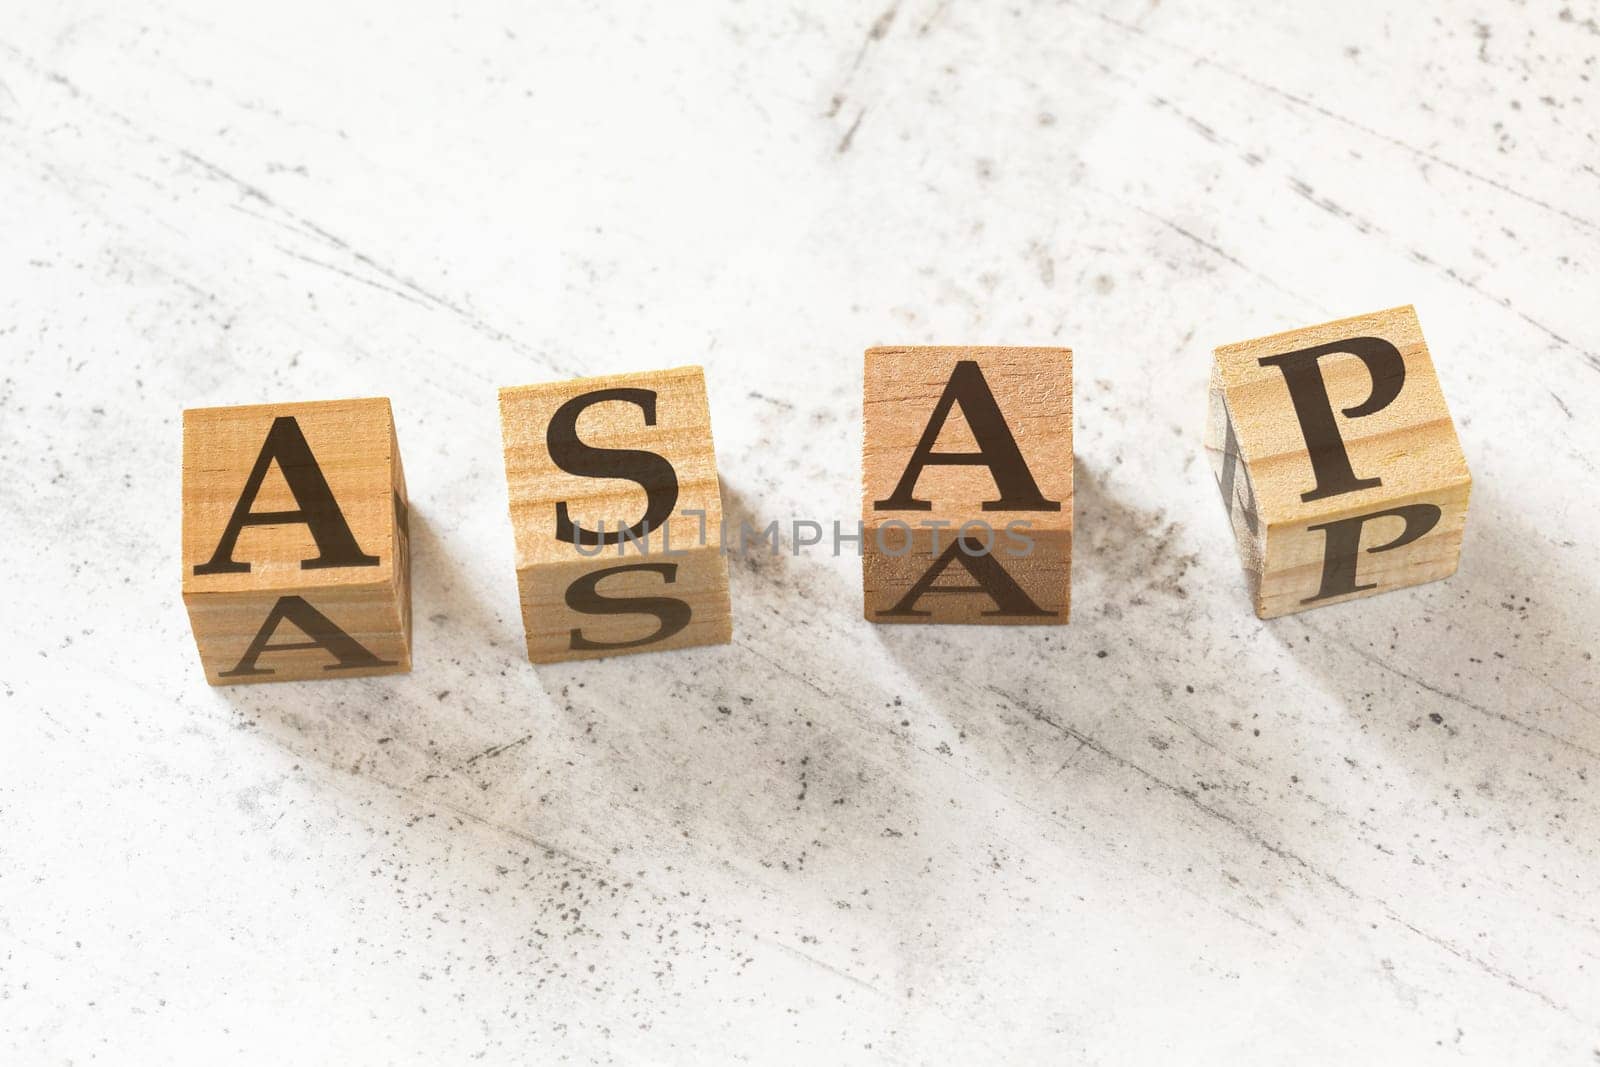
{"points": [[317, 510], [584, 595], [315, 625], [1342, 546], [997, 449], [991, 577], [1232, 466], [650, 470], [1302, 374]]}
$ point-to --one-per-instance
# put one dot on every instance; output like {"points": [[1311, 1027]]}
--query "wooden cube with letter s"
{"points": [[616, 512], [1337, 461], [966, 478], [296, 563]]}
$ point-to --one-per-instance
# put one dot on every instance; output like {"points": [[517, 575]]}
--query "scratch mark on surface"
{"points": [[292, 254], [1589, 754], [1261, 841], [875, 33], [1215, 250], [255, 192], [826, 966], [491, 753], [850, 134], [1302, 102]]}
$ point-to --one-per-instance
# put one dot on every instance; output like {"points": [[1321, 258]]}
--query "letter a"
{"points": [[349, 652], [997, 449], [336, 546], [992, 580]]}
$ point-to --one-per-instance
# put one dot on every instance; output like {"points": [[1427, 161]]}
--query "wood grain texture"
{"points": [[665, 414], [905, 392], [1257, 443], [355, 454]]}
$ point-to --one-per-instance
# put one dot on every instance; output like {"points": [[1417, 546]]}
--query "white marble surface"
{"points": [[1168, 833]]}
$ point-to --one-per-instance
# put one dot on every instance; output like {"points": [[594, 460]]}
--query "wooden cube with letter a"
{"points": [[966, 476], [617, 514], [1337, 461], [296, 562]]}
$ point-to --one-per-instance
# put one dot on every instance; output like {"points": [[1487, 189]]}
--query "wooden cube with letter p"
{"points": [[296, 562], [966, 477], [616, 510], [1337, 461]]}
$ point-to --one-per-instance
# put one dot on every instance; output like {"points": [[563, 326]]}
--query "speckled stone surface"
{"points": [[1166, 833]]}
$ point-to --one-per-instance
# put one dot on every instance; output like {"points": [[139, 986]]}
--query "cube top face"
{"points": [[289, 497], [1339, 418], [909, 390], [619, 450]]}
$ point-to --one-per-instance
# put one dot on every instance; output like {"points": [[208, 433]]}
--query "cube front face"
{"points": [[296, 555], [1338, 461], [616, 510], [974, 439]]}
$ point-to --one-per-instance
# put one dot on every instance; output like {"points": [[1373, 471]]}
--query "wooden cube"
{"points": [[617, 514], [1337, 461], [966, 478], [296, 562]]}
